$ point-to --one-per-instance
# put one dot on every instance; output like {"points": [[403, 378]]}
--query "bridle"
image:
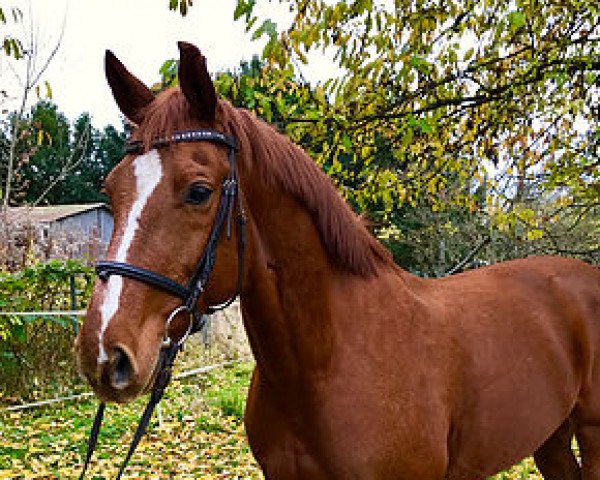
{"points": [[189, 293]]}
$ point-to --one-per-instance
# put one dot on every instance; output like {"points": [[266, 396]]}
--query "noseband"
{"points": [[189, 293]]}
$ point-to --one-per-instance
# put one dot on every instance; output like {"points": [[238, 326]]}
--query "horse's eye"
{"points": [[198, 194]]}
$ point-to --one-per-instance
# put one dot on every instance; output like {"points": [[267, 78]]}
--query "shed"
{"points": [[90, 219]]}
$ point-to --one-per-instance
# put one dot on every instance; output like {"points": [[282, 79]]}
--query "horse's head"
{"points": [[165, 198]]}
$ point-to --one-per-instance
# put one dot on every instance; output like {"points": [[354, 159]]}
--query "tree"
{"points": [[83, 183], [62, 162], [437, 100], [29, 78], [446, 84], [48, 152], [12, 46]]}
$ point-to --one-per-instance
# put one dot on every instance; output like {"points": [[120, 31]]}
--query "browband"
{"points": [[137, 146]]}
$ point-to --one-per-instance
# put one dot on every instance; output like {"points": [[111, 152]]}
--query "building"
{"points": [[91, 219], [61, 231]]}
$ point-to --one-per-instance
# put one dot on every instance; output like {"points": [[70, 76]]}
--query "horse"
{"points": [[363, 370]]}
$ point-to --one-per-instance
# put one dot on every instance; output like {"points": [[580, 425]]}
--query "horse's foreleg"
{"points": [[555, 458], [588, 437]]}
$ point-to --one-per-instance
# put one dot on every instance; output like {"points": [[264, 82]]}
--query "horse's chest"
{"points": [[337, 444], [281, 454]]}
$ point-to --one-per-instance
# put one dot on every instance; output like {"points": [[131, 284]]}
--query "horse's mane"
{"points": [[283, 166]]}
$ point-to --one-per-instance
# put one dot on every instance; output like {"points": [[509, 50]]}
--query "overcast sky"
{"points": [[142, 33]]}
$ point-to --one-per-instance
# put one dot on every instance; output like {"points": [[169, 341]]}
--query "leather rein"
{"points": [[189, 293]]}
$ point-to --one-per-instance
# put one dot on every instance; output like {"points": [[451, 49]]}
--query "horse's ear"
{"points": [[195, 82], [131, 95]]}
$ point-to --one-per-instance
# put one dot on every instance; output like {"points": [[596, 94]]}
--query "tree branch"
{"points": [[460, 265]]}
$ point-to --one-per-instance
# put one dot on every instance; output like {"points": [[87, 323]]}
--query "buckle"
{"points": [[167, 340]]}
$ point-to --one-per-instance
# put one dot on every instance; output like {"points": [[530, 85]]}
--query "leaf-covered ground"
{"points": [[201, 436]]}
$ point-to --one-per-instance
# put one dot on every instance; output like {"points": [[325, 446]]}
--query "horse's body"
{"points": [[456, 378], [363, 371], [393, 377]]}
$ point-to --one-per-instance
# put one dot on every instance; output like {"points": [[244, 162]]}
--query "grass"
{"points": [[201, 435], [50, 443]]}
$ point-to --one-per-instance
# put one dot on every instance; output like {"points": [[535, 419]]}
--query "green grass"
{"points": [[201, 436]]}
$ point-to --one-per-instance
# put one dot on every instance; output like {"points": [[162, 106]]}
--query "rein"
{"points": [[188, 293]]}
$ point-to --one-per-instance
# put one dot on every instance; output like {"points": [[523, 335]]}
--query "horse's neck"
{"points": [[286, 301]]}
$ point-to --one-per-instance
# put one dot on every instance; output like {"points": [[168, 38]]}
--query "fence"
{"points": [[46, 374], [80, 396], [40, 307], [74, 314]]}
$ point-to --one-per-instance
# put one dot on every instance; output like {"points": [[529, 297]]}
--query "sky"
{"points": [[142, 34]]}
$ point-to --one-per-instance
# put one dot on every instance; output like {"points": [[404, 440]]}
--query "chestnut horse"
{"points": [[363, 371]]}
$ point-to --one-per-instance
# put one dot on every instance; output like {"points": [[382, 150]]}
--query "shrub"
{"points": [[36, 352]]}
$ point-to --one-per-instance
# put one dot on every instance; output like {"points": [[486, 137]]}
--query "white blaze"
{"points": [[148, 172]]}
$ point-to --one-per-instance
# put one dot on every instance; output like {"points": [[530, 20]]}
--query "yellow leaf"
{"points": [[535, 234]]}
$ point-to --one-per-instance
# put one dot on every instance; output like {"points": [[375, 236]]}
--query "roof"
{"points": [[51, 213]]}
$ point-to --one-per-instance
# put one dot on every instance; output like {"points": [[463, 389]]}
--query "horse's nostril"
{"points": [[122, 369]]}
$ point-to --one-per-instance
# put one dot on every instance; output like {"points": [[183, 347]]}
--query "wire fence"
{"points": [[74, 314], [25, 357], [80, 396]]}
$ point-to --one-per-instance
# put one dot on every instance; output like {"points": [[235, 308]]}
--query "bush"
{"points": [[36, 352], [36, 355]]}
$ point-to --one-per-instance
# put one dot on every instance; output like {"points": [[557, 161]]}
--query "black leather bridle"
{"points": [[189, 293]]}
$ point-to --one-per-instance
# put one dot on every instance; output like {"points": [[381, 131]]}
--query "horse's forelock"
{"points": [[169, 112]]}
